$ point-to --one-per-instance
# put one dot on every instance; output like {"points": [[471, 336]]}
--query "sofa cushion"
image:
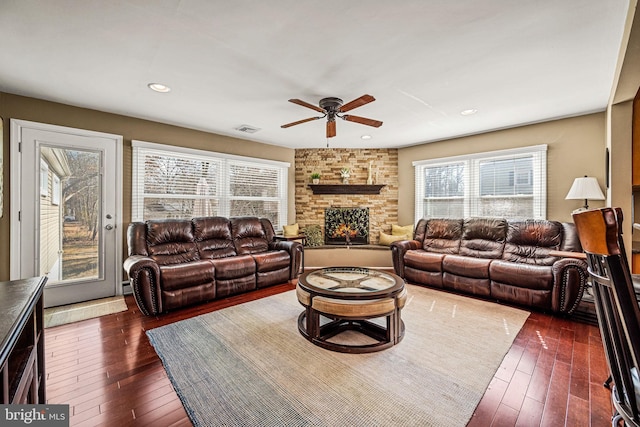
{"points": [[248, 235], [483, 237], [272, 260], [179, 276], [531, 241], [234, 267], [442, 236], [466, 266], [423, 260], [171, 241], [539, 277], [213, 237]]}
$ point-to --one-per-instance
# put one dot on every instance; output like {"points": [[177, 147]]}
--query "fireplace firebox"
{"points": [[346, 226]]}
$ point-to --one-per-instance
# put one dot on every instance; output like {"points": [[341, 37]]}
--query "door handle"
{"points": [[109, 227]]}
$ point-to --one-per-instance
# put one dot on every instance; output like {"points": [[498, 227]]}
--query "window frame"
{"points": [[472, 178], [225, 162]]}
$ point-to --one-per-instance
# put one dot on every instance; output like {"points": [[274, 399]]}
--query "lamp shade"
{"points": [[585, 188]]}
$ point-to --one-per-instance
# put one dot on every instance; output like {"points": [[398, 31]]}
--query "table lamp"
{"points": [[585, 188]]}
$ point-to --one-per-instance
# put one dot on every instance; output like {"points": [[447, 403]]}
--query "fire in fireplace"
{"points": [[346, 226]]}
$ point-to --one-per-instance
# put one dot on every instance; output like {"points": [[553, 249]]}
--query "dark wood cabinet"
{"points": [[22, 346]]}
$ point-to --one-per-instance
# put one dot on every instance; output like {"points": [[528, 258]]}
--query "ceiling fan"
{"points": [[333, 107]]}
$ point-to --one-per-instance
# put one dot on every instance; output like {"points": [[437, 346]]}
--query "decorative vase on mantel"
{"points": [[370, 177], [315, 181], [345, 173]]}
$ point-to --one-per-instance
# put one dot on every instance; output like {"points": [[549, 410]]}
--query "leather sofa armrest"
{"points": [[570, 277], [144, 276], [294, 249], [398, 249]]}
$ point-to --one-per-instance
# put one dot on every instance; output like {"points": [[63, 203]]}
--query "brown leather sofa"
{"points": [[176, 262], [510, 261]]}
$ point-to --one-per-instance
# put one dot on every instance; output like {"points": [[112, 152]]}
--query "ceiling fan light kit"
{"points": [[331, 108]]}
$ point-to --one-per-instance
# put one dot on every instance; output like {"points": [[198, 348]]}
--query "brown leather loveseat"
{"points": [[517, 262], [176, 262]]}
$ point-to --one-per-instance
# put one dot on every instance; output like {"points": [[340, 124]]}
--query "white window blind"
{"points": [[507, 183], [175, 182]]}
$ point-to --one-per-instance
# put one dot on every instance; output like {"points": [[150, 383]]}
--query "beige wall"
{"points": [[621, 194], [18, 107], [576, 147]]}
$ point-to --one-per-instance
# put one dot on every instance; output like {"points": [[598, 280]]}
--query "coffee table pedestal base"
{"points": [[309, 327]]}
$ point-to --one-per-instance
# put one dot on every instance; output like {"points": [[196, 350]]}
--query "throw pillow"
{"points": [[290, 230], [398, 230], [386, 239]]}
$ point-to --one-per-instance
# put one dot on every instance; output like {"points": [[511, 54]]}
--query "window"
{"points": [[507, 183], [175, 182], [44, 178], [55, 190]]}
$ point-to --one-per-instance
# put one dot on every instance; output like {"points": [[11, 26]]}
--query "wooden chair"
{"points": [[616, 307]]}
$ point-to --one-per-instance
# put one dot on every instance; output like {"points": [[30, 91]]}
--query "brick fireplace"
{"points": [[382, 208]]}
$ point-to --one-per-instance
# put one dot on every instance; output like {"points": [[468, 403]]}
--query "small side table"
{"points": [[302, 238]]}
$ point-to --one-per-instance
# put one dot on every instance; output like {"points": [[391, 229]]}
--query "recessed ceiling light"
{"points": [[468, 112], [159, 87], [365, 137]]}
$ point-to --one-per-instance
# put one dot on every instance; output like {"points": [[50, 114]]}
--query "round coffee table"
{"points": [[348, 297]]}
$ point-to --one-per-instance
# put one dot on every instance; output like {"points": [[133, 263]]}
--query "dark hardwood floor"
{"points": [[109, 374]]}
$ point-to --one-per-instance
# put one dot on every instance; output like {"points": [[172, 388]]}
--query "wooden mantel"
{"points": [[346, 188]]}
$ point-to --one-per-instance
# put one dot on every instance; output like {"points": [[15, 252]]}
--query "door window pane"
{"points": [[70, 226]]}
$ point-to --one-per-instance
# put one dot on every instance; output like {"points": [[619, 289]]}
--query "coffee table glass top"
{"points": [[350, 280]]}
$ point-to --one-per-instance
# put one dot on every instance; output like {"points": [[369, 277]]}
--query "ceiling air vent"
{"points": [[247, 129]]}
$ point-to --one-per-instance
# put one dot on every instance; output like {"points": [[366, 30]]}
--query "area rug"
{"points": [[248, 365], [62, 315]]}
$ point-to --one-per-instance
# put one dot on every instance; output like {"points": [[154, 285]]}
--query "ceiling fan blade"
{"points": [[358, 102], [300, 122], [331, 128], [306, 104], [362, 120]]}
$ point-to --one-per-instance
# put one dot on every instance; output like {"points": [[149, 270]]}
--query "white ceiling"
{"points": [[231, 63]]}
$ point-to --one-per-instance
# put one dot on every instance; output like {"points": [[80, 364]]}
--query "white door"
{"points": [[66, 210]]}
